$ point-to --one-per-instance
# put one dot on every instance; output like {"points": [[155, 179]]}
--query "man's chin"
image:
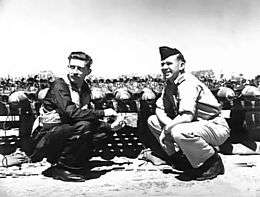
{"points": [[73, 79], [169, 79]]}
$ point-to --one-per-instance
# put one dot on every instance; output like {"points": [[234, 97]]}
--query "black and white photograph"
{"points": [[129, 98]]}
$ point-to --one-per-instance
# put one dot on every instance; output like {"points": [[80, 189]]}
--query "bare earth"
{"points": [[133, 177]]}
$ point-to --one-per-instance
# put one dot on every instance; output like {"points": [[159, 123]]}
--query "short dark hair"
{"points": [[81, 56], [181, 57]]}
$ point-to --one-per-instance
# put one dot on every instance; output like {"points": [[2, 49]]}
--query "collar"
{"points": [[66, 79], [73, 87], [179, 79]]}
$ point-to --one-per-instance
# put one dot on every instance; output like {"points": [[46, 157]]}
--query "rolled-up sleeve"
{"points": [[188, 95]]}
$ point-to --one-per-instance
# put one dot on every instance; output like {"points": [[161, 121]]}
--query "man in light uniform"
{"points": [[188, 116]]}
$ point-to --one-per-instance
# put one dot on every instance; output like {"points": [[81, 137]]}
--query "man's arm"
{"points": [[67, 108], [183, 118], [190, 91], [160, 111], [187, 105], [162, 116]]}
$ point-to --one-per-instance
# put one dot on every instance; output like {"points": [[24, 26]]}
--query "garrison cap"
{"points": [[166, 52]]}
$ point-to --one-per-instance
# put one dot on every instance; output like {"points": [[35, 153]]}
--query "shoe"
{"points": [[148, 155], [179, 161], [63, 174], [48, 171], [211, 168], [215, 167], [70, 163]]}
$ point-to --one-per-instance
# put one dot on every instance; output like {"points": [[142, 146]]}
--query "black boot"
{"points": [[213, 167], [48, 171], [76, 153], [179, 161], [60, 173]]}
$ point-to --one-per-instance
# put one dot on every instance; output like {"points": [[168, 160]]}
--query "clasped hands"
{"points": [[119, 121]]}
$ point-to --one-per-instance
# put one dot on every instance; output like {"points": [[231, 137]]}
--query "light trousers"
{"points": [[195, 139]]}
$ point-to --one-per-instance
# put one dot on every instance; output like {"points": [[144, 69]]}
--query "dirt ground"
{"points": [[133, 177]]}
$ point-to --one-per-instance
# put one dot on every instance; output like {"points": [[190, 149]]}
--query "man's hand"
{"points": [[84, 107], [162, 138], [184, 118], [118, 124], [110, 112], [167, 128]]}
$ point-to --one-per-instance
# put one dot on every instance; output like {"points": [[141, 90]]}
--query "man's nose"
{"points": [[76, 70]]}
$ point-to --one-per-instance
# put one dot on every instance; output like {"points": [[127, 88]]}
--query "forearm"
{"points": [[77, 114], [184, 118], [68, 109], [162, 116]]}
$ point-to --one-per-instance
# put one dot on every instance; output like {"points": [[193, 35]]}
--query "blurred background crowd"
{"points": [[126, 87], [135, 98]]}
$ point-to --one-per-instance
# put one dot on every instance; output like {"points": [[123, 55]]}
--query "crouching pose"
{"points": [[188, 117], [68, 129]]}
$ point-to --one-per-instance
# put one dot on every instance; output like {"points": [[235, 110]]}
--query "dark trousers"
{"points": [[70, 145]]}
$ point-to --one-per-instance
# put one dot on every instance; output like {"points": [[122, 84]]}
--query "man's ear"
{"points": [[89, 71], [181, 65]]}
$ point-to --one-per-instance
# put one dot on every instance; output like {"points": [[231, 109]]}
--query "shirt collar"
{"points": [[73, 87], [179, 79], [66, 79]]}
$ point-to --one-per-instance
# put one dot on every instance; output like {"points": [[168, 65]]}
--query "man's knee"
{"points": [[82, 125], [91, 131], [181, 132]]}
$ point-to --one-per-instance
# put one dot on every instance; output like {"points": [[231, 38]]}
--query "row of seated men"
{"points": [[123, 101], [145, 93]]}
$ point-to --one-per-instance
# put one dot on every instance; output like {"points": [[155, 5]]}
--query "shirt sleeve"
{"points": [[189, 93], [68, 109]]}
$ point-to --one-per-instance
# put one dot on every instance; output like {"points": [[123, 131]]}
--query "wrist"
{"points": [[166, 130]]}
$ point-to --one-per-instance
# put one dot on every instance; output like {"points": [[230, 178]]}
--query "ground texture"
{"points": [[133, 177]]}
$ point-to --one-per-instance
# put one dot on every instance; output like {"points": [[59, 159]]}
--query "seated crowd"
{"points": [[134, 85]]}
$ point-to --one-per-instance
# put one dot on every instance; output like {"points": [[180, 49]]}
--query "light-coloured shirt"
{"points": [[74, 94], [191, 96]]}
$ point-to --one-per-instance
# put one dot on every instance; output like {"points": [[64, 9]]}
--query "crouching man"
{"points": [[69, 129], [188, 117]]}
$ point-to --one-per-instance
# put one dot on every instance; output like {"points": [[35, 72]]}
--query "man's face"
{"points": [[78, 70], [171, 67]]}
